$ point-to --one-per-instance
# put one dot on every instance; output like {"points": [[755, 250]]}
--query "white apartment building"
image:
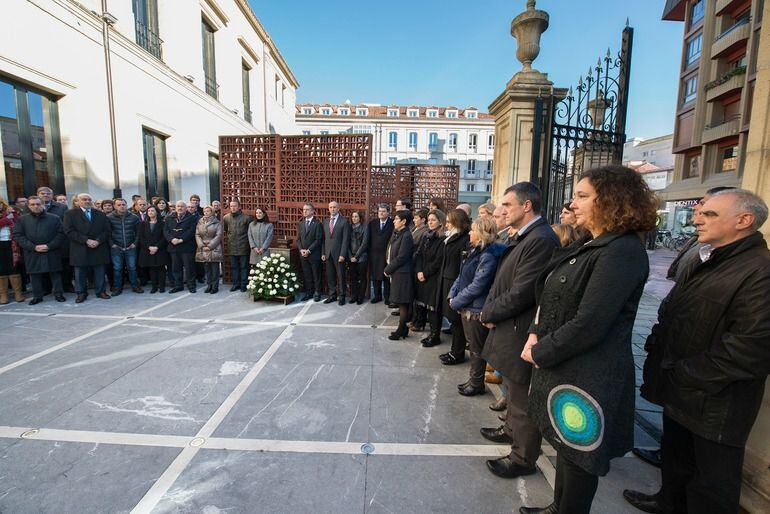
{"points": [[418, 135], [183, 72], [655, 151]]}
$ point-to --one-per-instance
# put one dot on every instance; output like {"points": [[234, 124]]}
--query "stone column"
{"points": [[514, 109], [756, 178]]}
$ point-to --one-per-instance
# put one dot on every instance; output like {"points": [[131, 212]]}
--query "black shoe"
{"points": [[449, 359], [496, 435], [35, 301], [60, 298], [207, 290], [342, 301], [551, 509], [153, 290], [214, 290], [359, 301], [504, 467], [162, 290], [391, 305], [395, 336], [104, 296], [117, 292], [317, 298], [396, 312], [464, 384], [243, 289], [470, 390], [175, 290], [375, 300], [651, 457], [330, 299], [305, 297], [499, 405], [644, 502], [81, 298], [192, 289], [432, 340], [234, 288]]}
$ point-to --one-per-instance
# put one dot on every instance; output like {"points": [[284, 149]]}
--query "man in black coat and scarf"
{"points": [[508, 312], [179, 229], [41, 236], [380, 231], [709, 358], [89, 233]]}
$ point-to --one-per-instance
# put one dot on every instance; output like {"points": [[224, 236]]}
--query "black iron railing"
{"points": [[148, 40]]}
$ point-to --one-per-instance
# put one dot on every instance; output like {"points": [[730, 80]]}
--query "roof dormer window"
{"points": [[326, 111], [471, 115], [393, 113], [343, 111], [307, 110], [413, 113], [451, 114], [432, 113], [362, 111]]}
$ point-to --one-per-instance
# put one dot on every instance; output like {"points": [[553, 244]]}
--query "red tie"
{"points": [[331, 225]]}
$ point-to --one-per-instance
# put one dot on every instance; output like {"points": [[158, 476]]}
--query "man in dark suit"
{"points": [[380, 230], [508, 312], [310, 243], [46, 196], [89, 233], [179, 229], [336, 253]]}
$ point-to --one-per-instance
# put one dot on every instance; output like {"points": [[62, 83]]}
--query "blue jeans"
{"points": [[128, 257]]}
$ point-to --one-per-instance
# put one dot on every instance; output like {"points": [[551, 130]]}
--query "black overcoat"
{"points": [[184, 229], [153, 237], [511, 304], [582, 393], [427, 260], [400, 267], [378, 245], [78, 229], [31, 230], [452, 255]]}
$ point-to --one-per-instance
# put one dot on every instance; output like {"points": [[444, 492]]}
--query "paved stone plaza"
{"points": [[201, 403]]}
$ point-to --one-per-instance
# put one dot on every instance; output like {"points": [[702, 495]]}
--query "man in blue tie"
{"points": [[380, 230], [88, 232]]}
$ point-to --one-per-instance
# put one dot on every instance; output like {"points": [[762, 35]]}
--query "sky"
{"points": [[461, 53]]}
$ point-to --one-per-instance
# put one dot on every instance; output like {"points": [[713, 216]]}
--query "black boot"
{"points": [[551, 509], [433, 339]]}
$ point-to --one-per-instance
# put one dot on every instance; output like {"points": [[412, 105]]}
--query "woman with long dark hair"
{"points": [[152, 249], [359, 251], [427, 262], [399, 271], [458, 225], [260, 234], [163, 208], [582, 390]]}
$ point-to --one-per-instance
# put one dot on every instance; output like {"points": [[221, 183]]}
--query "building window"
{"points": [[412, 113], [470, 115], [690, 89], [392, 113], [146, 25], [155, 169], [324, 132], [392, 161], [214, 186], [412, 160], [307, 110], [489, 165], [471, 166], [697, 11], [305, 132], [209, 60], [453, 141], [326, 112], [693, 50], [473, 140], [489, 188], [470, 187], [433, 113], [362, 112], [453, 162], [433, 140], [729, 158], [451, 114], [737, 63], [343, 112], [691, 166], [246, 87], [392, 140], [363, 129], [491, 141], [30, 144], [413, 140]]}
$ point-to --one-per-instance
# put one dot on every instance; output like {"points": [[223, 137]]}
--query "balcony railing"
{"points": [[731, 37], [732, 83], [724, 130], [148, 39], [212, 88]]}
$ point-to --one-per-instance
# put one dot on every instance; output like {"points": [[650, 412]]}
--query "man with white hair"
{"points": [[88, 231], [709, 357]]}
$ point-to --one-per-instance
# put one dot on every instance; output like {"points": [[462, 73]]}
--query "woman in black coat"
{"points": [[427, 266], [456, 246], [152, 249], [582, 390], [359, 249], [400, 271]]}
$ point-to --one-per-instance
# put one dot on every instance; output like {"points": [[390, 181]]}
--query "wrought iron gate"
{"points": [[584, 130]]}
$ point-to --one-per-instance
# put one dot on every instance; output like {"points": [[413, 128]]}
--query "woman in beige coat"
{"points": [[208, 235]]}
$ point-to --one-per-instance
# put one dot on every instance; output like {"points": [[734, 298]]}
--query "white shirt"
{"points": [[525, 227], [705, 252]]}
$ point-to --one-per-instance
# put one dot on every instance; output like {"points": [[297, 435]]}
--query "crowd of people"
{"points": [[546, 310]]}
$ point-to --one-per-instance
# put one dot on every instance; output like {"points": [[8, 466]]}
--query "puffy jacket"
{"points": [[236, 227], [124, 230], [477, 272]]}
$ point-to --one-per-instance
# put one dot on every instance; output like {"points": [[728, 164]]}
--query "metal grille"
{"points": [[149, 40]]}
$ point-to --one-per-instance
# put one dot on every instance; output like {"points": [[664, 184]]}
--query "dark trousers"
{"points": [[38, 283], [698, 475], [458, 337], [239, 266], [66, 274], [212, 274], [336, 277], [435, 320], [157, 276], [81, 278], [381, 287], [311, 274], [420, 317], [574, 487], [476, 333], [518, 425], [183, 269], [360, 284]]}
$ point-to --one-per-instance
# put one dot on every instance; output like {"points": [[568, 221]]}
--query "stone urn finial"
{"points": [[527, 28]]}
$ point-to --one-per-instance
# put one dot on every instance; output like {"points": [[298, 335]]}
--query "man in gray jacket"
{"points": [[336, 252], [236, 230]]}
